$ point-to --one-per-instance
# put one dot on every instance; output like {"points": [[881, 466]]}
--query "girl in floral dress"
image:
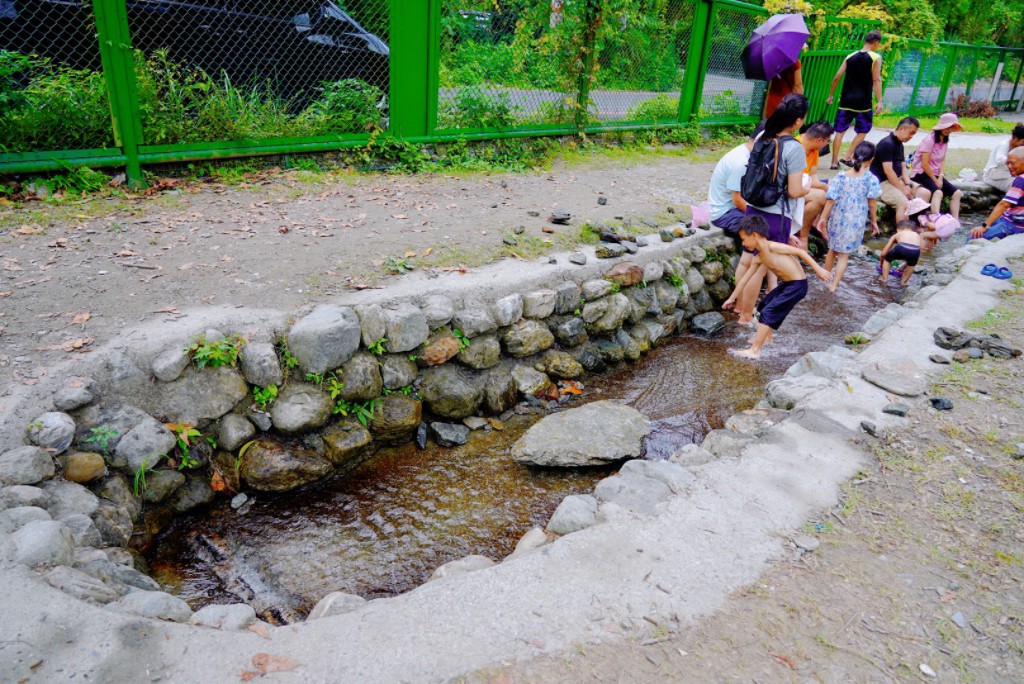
{"points": [[849, 203]]}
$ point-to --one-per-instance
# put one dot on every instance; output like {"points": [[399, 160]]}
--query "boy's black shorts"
{"points": [[909, 253], [779, 302]]}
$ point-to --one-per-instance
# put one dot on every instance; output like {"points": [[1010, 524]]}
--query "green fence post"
{"points": [[693, 79], [414, 57], [122, 90], [973, 73], [917, 82], [947, 76]]}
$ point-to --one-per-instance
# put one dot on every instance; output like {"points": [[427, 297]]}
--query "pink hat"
{"points": [[917, 204], [947, 120]]}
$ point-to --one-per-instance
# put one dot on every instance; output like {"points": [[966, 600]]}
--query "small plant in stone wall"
{"points": [[263, 397], [185, 433], [217, 353], [101, 436], [361, 411], [461, 337], [315, 378], [675, 280], [139, 481], [288, 360], [377, 348], [406, 391], [241, 454]]}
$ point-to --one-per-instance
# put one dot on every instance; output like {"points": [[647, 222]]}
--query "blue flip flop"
{"points": [[989, 270], [1003, 274]]}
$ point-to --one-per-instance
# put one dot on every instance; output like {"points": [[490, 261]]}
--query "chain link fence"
{"points": [[640, 64], [53, 95], [214, 70], [503, 65], [182, 80], [727, 94]]}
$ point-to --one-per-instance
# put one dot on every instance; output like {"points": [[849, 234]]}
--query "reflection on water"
{"points": [[382, 529]]}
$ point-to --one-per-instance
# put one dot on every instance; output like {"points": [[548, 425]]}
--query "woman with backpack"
{"points": [[773, 184]]}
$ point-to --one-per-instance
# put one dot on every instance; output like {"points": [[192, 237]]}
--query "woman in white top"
{"points": [[996, 173]]}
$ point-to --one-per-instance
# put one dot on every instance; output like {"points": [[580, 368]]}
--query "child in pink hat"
{"points": [[930, 160], [931, 226]]}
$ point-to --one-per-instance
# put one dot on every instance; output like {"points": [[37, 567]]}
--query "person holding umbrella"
{"points": [[863, 70], [772, 55]]}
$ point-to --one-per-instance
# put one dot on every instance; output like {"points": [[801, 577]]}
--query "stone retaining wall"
{"points": [[151, 434]]}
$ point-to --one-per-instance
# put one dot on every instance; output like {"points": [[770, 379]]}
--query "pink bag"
{"points": [[701, 214], [945, 226]]}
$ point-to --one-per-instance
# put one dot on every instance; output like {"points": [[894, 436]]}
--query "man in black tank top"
{"points": [[863, 70]]}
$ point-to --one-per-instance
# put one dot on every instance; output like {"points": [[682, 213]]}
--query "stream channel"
{"points": [[383, 528]]}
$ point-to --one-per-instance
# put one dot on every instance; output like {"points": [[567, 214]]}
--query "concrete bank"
{"points": [[629, 575]]}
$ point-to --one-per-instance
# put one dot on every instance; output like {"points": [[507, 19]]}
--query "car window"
{"points": [[344, 23], [7, 10]]}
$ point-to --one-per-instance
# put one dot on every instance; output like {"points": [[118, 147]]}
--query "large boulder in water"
{"points": [[270, 466], [595, 434]]}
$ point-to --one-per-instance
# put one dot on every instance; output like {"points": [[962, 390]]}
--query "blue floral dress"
{"points": [[849, 216]]}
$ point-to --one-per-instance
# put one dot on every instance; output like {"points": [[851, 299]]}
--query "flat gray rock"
{"points": [[595, 434], [154, 604], [335, 603], [633, 492], [25, 465], [44, 542], [457, 567], [576, 512], [899, 376], [709, 323], [326, 338], [230, 617]]}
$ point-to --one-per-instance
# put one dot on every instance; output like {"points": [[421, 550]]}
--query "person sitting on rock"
{"points": [[780, 259], [1007, 218], [996, 174]]}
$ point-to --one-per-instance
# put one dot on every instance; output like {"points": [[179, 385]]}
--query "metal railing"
{"points": [[132, 82]]}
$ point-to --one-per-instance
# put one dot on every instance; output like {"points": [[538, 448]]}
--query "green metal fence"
{"points": [[111, 83]]}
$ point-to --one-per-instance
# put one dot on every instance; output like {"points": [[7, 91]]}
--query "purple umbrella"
{"points": [[774, 47]]}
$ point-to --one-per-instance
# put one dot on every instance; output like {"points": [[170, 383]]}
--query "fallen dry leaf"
{"points": [[29, 230], [261, 629], [6, 294], [168, 310], [427, 251], [784, 659], [81, 318], [185, 267], [264, 662], [127, 253], [217, 482], [399, 216], [409, 255], [283, 230], [496, 424], [76, 344], [248, 675]]}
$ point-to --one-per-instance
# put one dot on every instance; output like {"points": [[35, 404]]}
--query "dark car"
{"points": [[291, 45]]}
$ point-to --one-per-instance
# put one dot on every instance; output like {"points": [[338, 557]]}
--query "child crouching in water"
{"points": [[905, 245], [781, 260], [850, 202], [930, 226]]}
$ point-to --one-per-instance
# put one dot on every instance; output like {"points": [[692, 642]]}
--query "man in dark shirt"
{"points": [[863, 71], [888, 166]]}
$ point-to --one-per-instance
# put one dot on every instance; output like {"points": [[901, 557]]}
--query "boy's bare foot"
{"points": [[833, 286], [883, 281], [745, 353]]}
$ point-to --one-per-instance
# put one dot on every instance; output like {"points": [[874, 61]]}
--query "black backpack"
{"points": [[761, 184]]}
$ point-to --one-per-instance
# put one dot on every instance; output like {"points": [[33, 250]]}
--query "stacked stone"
{"points": [[104, 470]]}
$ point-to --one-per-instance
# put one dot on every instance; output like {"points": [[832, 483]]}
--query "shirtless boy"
{"points": [[904, 245], [781, 260]]}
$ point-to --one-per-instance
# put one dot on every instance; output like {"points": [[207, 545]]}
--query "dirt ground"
{"points": [[282, 239], [75, 273], [919, 569]]}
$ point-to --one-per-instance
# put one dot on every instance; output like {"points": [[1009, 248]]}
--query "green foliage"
{"points": [[384, 151], [77, 181], [288, 360], [334, 386], [101, 436], [185, 433], [397, 266], [658, 108], [263, 397], [461, 337], [361, 411], [12, 64], [675, 280], [378, 348], [217, 353], [616, 288], [315, 378], [139, 481], [470, 108], [347, 106]]}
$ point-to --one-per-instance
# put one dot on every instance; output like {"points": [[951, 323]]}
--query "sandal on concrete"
{"points": [[1003, 274]]}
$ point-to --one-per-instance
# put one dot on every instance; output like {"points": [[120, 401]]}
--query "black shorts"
{"points": [[902, 252], [779, 302], [924, 181]]}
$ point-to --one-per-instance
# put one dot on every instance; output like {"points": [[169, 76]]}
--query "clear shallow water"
{"points": [[383, 528]]}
